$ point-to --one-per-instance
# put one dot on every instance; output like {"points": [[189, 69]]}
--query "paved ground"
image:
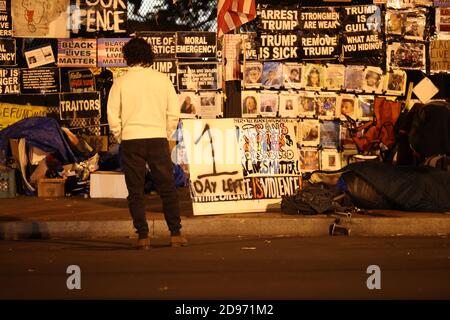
{"points": [[228, 268]]}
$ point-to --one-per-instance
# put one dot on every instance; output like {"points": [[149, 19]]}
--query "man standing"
{"points": [[142, 112]]}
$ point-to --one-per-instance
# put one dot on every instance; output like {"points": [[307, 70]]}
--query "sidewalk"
{"points": [[32, 217]]}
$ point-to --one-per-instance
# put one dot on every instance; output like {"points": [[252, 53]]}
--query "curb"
{"points": [[299, 226]]}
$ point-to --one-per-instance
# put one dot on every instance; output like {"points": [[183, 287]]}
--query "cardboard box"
{"points": [[108, 184], [51, 188]]}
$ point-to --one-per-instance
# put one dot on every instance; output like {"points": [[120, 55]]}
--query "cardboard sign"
{"points": [[440, 56], [79, 105], [163, 43], [92, 16], [199, 76], [196, 44], [77, 53], [7, 52], [9, 81], [81, 81], [11, 113], [109, 52], [169, 67], [40, 19], [5, 25], [213, 156], [41, 80], [275, 46]]}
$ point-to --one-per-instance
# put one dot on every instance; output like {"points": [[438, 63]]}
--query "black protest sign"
{"points": [[94, 16], [319, 46], [40, 80], [200, 76], [277, 18], [169, 67], [7, 52], [249, 47], [9, 81], [362, 40], [320, 19], [163, 43], [278, 46], [196, 44], [79, 105], [82, 80], [5, 24]]}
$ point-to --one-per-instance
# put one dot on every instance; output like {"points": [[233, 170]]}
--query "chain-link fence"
{"points": [[172, 15]]}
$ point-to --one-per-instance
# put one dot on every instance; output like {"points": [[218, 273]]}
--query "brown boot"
{"points": [[143, 244], [178, 241]]}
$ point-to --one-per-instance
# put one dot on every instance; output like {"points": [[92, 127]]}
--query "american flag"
{"points": [[231, 14]]}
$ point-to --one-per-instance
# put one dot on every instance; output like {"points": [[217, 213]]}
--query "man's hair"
{"points": [[137, 51]]}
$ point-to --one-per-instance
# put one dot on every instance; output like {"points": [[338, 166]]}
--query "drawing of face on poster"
{"points": [[366, 107], [327, 106], [40, 18], [253, 74], [313, 77], [250, 103], [272, 74], [292, 74], [329, 134], [188, 104], [331, 160], [373, 80], [406, 56], [269, 104], [395, 22], [288, 105], [348, 107], [307, 104], [354, 78], [310, 132], [334, 76], [309, 159], [396, 82], [415, 25]]}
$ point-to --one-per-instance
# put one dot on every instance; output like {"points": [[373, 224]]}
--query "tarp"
{"points": [[40, 132], [407, 188]]}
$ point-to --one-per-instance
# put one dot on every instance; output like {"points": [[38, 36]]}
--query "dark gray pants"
{"points": [[135, 154]]}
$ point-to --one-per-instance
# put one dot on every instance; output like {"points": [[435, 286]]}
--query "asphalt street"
{"points": [[227, 268]]}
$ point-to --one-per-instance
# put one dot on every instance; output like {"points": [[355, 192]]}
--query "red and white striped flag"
{"points": [[231, 14]]}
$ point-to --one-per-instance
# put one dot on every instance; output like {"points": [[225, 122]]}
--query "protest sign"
{"points": [[79, 105], [81, 80], [40, 19], [197, 76], [94, 16], [163, 43], [443, 23], [277, 18], [320, 19], [9, 81], [39, 57], [440, 55], [319, 46], [7, 52], [77, 53], [5, 25], [277, 46], [40, 80], [11, 113], [169, 67], [249, 48], [196, 45], [109, 52]]}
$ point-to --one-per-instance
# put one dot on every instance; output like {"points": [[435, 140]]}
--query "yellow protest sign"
{"points": [[11, 113]]}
